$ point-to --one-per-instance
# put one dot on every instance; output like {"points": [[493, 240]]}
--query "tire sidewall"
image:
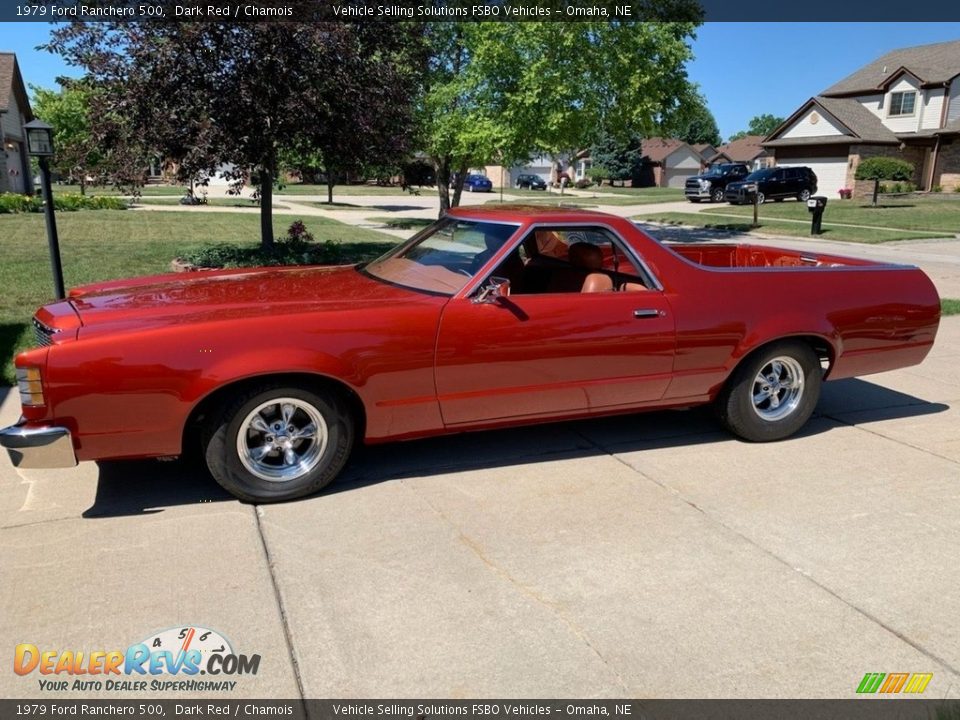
{"points": [[228, 470], [736, 402]]}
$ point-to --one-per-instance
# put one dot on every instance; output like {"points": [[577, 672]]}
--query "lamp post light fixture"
{"points": [[40, 145]]}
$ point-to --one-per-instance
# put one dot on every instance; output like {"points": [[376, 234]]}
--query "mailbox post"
{"points": [[816, 205], [40, 144], [752, 192]]}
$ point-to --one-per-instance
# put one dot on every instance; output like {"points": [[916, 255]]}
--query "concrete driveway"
{"points": [[642, 556]]}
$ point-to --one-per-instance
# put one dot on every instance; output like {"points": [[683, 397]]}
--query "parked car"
{"points": [[491, 317], [532, 182], [477, 183], [774, 183], [712, 184]]}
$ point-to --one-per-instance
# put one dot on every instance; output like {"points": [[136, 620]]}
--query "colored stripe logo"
{"points": [[893, 683]]}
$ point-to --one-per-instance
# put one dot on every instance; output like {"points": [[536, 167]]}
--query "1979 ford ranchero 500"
{"points": [[487, 318]]}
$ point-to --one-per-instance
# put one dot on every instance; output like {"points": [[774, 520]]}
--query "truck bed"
{"points": [[758, 256]]}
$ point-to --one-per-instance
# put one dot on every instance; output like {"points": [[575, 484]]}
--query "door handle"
{"points": [[644, 313]]}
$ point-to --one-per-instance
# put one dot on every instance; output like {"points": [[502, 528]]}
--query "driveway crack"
{"points": [[278, 597]]}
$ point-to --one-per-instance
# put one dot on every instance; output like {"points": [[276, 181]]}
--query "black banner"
{"points": [[874, 708], [477, 10]]}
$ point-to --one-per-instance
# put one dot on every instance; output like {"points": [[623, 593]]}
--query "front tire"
{"points": [[717, 195], [803, 195], [276, 443], [773, 393]]}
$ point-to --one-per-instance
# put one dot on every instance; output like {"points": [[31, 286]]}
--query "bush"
{"points": [[936, 188], [297, 248], [897, 188], [884, 188], [16, 203], [583, 183], [884, 168]]}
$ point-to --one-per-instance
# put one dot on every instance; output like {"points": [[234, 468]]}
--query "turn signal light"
{"points": [[30, 385]]}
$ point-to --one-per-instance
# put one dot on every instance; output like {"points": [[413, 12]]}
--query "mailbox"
{"points": [[815, 206]]}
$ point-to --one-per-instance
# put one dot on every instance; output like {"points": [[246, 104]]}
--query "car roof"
{"points": [[520, 213]]}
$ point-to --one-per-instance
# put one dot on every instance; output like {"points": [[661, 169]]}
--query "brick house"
{"points": [[668, 162], [905, 104], [14, 113], [748, 150]]}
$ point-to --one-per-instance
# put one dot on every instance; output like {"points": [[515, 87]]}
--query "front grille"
{"points": [[43, 333], [693, 183]]}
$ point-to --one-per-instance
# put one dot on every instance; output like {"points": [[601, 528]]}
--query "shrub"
{"points": [[936, 188], [897, 188], [583, 183], [16, 203], [297, 248]]}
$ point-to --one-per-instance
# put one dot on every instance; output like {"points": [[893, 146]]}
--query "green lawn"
{"points": [[933, 214], [105, 244], [104, 190], [641, 195], [217, 202], [781, 227], [950, 306], [298, 189]]}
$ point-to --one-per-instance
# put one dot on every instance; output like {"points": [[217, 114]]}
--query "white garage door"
{"points": [[831, 173], [677, 177]]}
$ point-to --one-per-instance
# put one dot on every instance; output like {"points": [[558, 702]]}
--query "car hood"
{"points": [[225, 294]]}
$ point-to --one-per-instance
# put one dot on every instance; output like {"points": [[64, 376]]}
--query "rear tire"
{"points": [[278, 442], [717, 195], [772, 393], [803, 195]]}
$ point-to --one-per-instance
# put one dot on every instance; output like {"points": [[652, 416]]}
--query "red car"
{"points": [[488, 318]]}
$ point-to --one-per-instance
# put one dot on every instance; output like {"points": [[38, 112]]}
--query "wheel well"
{"points": [[820, 346], [212, 402]]}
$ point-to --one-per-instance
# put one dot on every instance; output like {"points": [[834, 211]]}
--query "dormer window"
{"points": [[902, 103]]}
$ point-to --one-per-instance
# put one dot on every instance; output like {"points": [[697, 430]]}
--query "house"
{"points": [[905, 104], [14, 113], [748, 150], [541, 165], [668, 162], [710, 155]]}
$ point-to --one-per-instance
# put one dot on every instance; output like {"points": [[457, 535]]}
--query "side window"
{"points": [[572, 260]]}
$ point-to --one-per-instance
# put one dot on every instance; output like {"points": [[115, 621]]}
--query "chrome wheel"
{"points": [[760, 198], [282, 439], [778, 388], [804, 195]]}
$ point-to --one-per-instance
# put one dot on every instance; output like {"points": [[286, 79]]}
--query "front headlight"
{"points": [[30, 386], [704, 184]]}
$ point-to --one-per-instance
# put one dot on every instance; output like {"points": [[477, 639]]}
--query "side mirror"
{"points": [[495, 289]]}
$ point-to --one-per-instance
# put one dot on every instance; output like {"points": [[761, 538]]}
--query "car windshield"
{"points": [[759, 175], [442, 258]]}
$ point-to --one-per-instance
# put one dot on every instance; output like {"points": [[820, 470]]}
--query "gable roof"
{"points": [[930, 64], [744, 149], [658, 149], [860, 124], [12, 81]]}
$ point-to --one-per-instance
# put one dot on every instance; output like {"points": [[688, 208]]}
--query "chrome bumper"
{"points": [[35, 448]]}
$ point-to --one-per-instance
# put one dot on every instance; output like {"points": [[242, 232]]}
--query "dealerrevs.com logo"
{"points": [[170, 660]]}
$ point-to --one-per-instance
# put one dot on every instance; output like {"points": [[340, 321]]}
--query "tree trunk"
{"points": [[441, 169], [329, 188], [458, 185], [876, 191], [266, 203]]}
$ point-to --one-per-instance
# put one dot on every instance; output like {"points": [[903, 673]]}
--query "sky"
{"points": [[743, 69]]}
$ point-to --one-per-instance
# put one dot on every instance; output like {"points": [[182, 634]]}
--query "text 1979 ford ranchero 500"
{"points": [[487, 318]]}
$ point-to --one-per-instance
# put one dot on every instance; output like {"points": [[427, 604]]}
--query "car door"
{"points": [[550, 354]]}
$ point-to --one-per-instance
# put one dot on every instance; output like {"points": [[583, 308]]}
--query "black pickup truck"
{"points": [[712, 184]]}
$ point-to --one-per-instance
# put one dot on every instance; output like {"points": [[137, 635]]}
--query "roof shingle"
{"points": [[929, 63]]}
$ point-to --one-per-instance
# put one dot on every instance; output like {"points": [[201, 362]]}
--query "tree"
{"points": [[205, 94], [759, 125], [618, 160], [77, 155], [883, 168], [505, 90], [699, 125]]}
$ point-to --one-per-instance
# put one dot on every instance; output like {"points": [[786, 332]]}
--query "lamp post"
{"points": [[40, 145]]}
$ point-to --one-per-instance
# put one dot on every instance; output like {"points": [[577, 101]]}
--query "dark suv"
{"points": [[712, 184], [774, 183], [534, 182]]}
